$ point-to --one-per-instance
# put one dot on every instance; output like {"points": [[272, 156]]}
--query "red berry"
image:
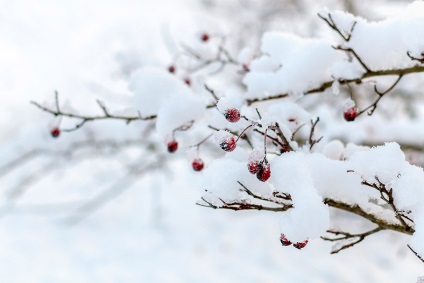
{"points": [[187, 81], [198, 164], [300, 245], [264, 172], [171, 69], [254, 167], [172, 146], [284, 241], [55, 132], [350, 114], [205, 37], [232, 115], [229, 144]]}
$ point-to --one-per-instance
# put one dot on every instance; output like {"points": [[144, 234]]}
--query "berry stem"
{"points": [[265, 136], [202, 141], [242, 133]]}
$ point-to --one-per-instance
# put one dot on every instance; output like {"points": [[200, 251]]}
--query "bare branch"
{"points": [[350, 50], [333, 25], [87, 118], [348, 236], [416, 254], [373, 106], [245, 189], [421, 60], [313, 141]]}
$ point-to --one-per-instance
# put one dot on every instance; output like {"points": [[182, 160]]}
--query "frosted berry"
{"points": [[187, 81], [254, 167], [284, 241], [264, 172], [300, 245], [171, 69], [55, 132], [172, 146], [228, 144], [246, 68], [205, 37], [232, 115], [197, 164], [350, 114]]}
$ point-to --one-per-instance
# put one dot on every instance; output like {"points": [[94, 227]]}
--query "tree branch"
{"points": [[347, 236], [328, 84], [86, 118], [356, 209]]}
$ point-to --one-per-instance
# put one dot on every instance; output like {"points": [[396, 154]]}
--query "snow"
{"points": [[384, 162], [334, 150], [155, 232], [292, 176], [293, 58]]}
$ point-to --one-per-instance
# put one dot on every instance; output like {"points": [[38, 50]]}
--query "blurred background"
{"points": [[103, 205]]}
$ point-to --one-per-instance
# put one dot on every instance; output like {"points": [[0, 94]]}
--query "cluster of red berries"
{"points": [[350, 114], [299, 245], [262, 169]]}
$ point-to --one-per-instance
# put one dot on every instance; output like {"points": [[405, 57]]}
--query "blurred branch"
{"points": [[117, 188], [106, 146], [71, 150]]}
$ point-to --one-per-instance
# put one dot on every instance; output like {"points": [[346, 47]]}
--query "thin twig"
{"points": [[86, 118], [416, 254]]}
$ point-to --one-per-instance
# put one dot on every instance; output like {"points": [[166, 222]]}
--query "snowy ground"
{"points": [[153, 232]]}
